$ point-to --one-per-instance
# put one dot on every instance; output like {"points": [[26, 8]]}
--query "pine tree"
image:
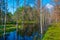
{"points": [[2, 9]]}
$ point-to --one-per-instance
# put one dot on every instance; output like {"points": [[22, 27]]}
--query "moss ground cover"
{"points": [[53, 32]]}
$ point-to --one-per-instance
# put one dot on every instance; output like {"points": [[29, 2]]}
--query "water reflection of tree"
{"points": [[30, 17]]}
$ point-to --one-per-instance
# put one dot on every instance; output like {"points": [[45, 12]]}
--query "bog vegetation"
{"points": [[27, 20]]}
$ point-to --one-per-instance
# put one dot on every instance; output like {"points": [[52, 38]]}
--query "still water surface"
{"points": [[12, 36]]}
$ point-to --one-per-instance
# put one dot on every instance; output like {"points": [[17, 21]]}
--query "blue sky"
{"points": [[10, 4], [44, 2]]}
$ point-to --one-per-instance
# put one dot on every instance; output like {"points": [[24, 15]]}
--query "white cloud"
{"points": [[49, 6]]}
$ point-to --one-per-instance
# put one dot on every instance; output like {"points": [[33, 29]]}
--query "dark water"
{"points": [[13, 36]]}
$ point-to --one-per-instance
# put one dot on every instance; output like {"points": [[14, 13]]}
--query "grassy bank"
{"points": [[53, 32], [8, 28]]}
